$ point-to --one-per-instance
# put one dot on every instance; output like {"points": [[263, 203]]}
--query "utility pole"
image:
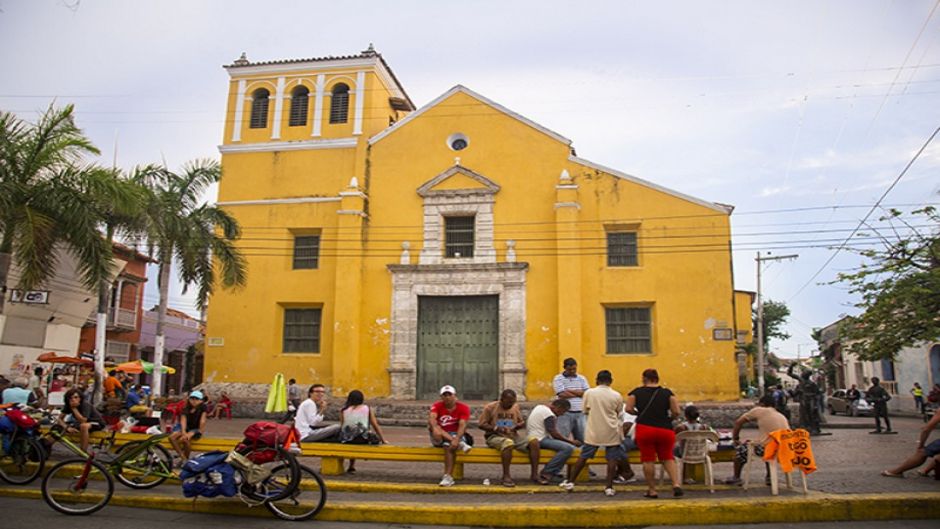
{"points": [[760, 319]]}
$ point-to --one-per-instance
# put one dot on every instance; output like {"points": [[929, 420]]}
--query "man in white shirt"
{"points": [[604, 409], [309, 419], [542, 425]]}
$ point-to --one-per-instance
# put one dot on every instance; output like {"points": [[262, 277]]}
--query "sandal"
{"points": [[677, 492], [541, 480], [888, 474], [509, 483], [652, 496]]}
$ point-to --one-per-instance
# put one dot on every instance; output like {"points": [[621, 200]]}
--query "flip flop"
{"points": [[678, 492], [651, 496], [887, 474], [509, 483], [541, 480]]}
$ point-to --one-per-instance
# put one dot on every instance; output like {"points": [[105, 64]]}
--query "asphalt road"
{"points": [[18, 513]]}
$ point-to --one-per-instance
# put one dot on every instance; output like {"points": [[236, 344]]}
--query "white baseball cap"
{"points": [[448, 389]]}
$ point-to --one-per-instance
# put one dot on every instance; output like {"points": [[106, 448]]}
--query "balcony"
{"points": [[118, 319]]}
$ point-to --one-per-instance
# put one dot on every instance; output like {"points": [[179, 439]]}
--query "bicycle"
{"points": [[304, 502], [22, 457]]}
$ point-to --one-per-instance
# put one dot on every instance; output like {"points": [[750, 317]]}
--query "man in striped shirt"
{"points": [[569, 385]]}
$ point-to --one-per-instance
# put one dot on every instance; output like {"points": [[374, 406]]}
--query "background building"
{"points": [[393, 250]]}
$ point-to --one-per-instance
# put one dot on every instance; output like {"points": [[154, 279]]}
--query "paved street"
{"points": [[31, 513]]}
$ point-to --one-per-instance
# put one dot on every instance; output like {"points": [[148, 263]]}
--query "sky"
{"points": [[801, 114]]}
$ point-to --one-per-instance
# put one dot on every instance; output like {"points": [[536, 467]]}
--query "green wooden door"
{"points": [[458, 344]]}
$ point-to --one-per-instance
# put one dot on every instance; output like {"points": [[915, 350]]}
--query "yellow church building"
{"points": [[395, 249]]}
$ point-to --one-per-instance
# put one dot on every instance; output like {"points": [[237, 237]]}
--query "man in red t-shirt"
{"points": [[447, 424]]}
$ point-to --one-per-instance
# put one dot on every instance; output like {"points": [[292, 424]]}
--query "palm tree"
{"points": [[199, 238], [43, 203], [118, 201]]}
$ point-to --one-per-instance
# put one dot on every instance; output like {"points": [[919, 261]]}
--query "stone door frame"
{"points": [[507, 280]]}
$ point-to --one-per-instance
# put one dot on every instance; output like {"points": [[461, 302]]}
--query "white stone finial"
{"points": [[354, 183], [405, 254], [243, 60], [510, 251], [456, 160], [565, 177]]}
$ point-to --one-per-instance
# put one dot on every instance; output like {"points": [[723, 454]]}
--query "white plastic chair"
{"points": [[695, 448], [774, 485]]}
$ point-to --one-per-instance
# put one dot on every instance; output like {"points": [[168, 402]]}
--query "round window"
{"points": [[457, 141]]}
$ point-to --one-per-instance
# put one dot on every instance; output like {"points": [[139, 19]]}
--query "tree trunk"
{"points": [[5, 260], [101, 325], [166, 260], [189, 368], [101, 340]]}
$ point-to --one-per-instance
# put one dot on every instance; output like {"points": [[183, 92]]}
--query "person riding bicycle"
{"points": [[191, 425], [80, 416]]}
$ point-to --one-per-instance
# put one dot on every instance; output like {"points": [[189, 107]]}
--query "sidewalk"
{"points": [[847, 486]]}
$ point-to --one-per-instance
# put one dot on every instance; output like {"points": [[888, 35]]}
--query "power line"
{"points": [[872, 210]]}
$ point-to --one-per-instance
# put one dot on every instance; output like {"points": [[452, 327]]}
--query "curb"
{"points": [[613, 513]]}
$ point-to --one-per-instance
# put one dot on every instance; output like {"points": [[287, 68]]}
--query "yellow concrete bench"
{"points": [[333, 454]]}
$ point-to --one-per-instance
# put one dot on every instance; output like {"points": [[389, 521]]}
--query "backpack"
{"points": [[20, 419], [209, 475], [263, 438]]}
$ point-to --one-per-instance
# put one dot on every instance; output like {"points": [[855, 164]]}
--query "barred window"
{"points": [[259, 109], [458, 236], [298, 106], [339, 104], [302, 330], [306, 252], [621, 248], [629, 330]]}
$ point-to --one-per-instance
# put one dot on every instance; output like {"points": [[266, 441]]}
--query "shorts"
{"points": [[519, 442], [444, 442], [655, 443], [611, 453], [196, 433], [740, 452], [933, 448]]}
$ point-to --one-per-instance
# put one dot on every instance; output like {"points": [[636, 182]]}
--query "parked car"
{"points": [[838, 403]]}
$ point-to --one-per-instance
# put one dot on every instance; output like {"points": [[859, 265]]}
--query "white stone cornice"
{"points": [[559, 205], [566, 186], [276, 201], [304, 145], [356, 212]]}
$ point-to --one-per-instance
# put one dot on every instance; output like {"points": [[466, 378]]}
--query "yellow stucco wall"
{"points": [[684, 271]]}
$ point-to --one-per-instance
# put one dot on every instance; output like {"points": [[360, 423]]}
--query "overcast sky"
{"points": [[769, 106]]}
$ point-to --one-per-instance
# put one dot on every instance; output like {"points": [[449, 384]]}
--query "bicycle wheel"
{"points": [[279, 484], [77, 486], [147, 469], [305, 502], [22, 461]]}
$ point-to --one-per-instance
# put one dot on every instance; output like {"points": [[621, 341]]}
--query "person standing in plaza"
{"points": [[294, 398], [655, 408], [853, 395], [878, 397], [504, 429], [542, 425], [447, 426], [571, 386], [309, 418], [604, 409], [918, 393]]}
